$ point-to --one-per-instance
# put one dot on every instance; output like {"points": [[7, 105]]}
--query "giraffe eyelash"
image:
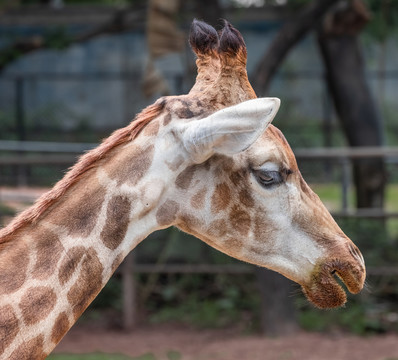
{"points": [[268, 178]]}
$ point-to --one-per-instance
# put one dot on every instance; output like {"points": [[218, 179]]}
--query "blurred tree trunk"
{"points": [[345, 75]]}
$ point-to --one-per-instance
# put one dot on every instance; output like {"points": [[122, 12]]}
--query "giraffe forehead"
{"points": [[272, 150]]}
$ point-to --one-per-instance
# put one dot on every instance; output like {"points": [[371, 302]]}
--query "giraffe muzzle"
{"points": [[324, 290]]}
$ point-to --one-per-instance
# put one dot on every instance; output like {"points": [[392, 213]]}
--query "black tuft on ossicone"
{"points": [[203, 38], [231, 40]]}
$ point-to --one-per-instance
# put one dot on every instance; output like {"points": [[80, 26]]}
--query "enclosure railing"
{"points": [[30, 153]]}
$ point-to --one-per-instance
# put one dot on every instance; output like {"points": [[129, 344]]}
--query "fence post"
{"points": [[22, 170], [345, 182], [327, 126], [129, 293]]}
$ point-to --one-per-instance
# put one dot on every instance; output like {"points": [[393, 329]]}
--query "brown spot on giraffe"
{"points": [[79, 211], [262, 226], [29, 350], [60, 328], [117, 221], [221, 197], [245, 198], [224, 165], [88, 284], [167, 119], [233, 245], [240, 220], [37, 303], [258, 250], [167, 213], [218, 228], [9, 327], [190, 224], [70, 263], [198, 200], [184, 111], [131, 164], [48, 252], [184, 178], [151, 129], [13, 267], [238, 177]]}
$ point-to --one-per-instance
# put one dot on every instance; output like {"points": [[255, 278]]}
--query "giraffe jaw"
{"points": [[325, 292]]}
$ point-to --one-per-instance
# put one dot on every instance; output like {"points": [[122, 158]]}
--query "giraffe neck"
{"points": [[51, 272]]}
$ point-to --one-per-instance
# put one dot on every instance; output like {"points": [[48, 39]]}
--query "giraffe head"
{"points": [[237, 185]]}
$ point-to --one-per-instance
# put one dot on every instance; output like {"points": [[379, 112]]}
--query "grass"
{"points": [[331, 196]]}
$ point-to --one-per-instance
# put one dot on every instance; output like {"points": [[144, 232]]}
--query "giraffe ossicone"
{"points": [[208, 162]]}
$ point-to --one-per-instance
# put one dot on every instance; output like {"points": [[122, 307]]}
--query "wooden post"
{"points": [[129, 294], [345, 183], [278, 313], [22, 170]]}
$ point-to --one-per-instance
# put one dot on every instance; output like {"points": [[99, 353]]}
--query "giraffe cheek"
{"points": [[240, 220], [221, 198]]}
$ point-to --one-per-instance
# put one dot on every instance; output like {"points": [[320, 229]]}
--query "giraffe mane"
{"points": [[86, 162]]}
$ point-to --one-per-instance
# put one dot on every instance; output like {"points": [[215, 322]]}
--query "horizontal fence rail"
{"points": [[45, 146], [301, 153], [30, 153], [230, 269]]}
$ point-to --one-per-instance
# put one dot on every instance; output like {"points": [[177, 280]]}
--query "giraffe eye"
{"points": [[268, 178]]}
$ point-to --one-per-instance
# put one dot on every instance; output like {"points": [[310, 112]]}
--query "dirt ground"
{"points": [[228, 344]]}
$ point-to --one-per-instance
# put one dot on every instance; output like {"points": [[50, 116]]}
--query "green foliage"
{"points": [[352, 318], [6, 210], [109, 296], [57, 38], [92, 2], [205, 301], [384, 20], [9, 55]]}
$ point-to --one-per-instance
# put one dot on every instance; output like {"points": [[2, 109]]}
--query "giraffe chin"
{"points": [[325, 292]]}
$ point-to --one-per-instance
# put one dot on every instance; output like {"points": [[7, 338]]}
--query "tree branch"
{"points": [[121, 21], [290, 33]]}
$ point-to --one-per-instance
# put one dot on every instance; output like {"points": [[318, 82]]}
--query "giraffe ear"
{"points": [[230, 130]]}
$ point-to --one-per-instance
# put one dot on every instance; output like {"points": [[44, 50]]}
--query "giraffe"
{"points": [[208, 162]]}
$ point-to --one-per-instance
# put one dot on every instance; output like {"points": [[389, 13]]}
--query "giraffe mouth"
{"points": [[325, 292]]}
